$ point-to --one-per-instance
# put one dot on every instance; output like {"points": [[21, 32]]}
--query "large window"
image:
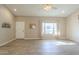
{"points": [[49, 28]]}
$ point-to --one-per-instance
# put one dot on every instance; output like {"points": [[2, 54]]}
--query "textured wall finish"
{"points": [[73, 26], [6, 34]]}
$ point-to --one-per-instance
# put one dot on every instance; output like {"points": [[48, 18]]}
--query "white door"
{"points": [[20, 30]]}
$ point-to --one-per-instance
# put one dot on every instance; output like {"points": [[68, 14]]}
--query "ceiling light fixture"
{"points": [[48, 7], [63, 11], [14, 9]]}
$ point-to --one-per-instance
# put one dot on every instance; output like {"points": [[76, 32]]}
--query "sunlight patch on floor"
{"points": [[49, 43], [64, 43]]}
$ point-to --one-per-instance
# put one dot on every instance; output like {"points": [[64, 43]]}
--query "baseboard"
{"points": [[6, 42], [19, 38], [31, 38]]}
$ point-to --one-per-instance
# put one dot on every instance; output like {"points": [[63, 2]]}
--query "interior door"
{"points": [[20, 30]]}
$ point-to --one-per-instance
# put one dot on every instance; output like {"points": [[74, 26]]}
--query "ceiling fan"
{"points": [[48, 7]]}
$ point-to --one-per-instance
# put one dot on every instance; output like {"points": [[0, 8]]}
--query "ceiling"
{"points": [[37, 9]]}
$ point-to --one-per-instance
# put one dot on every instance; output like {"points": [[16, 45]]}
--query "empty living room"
{"points": [[39, 29]]}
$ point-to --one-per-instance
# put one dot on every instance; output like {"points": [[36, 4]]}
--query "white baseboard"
{"points": [[19, 38], [6, 42], [31, 38]]}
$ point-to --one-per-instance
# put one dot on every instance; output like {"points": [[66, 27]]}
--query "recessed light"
{"points": [[63, 11], [14, 9]]}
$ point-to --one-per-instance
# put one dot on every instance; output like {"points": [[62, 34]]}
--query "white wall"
{"points": [[73, 26], [36, 34], [6, 34]]}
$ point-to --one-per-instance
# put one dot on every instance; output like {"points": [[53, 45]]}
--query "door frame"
{"points": [[23, 30]]}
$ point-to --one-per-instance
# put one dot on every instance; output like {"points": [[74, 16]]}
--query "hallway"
{"points": [[40, 47]]}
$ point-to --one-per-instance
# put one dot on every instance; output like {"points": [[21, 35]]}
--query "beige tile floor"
{"points": [[40, 47]]}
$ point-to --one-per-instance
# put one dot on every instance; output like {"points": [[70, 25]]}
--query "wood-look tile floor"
{"points": [[40, 47]]}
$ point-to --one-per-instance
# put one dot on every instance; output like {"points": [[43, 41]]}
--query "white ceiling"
{"points": [[37, 10]]}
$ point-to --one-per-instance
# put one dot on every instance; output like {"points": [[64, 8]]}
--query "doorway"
{"points": [[20, 26]]}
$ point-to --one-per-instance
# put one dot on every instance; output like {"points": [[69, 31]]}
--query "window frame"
{"points": [[54, 28]]}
